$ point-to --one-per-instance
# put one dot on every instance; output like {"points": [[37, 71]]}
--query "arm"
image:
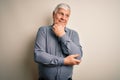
{"points": [[69, 46], [40, 54]]}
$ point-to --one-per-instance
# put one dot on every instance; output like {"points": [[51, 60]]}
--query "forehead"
{"points": [[66, 11]]}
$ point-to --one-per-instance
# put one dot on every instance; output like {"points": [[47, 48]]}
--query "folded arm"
{"points": [[40, 54], [71, 46]]}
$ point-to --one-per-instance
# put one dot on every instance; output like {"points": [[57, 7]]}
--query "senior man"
{"points": [[57, 48]]}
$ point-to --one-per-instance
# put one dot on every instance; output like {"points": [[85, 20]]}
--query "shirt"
{"points": [[50, 51]]}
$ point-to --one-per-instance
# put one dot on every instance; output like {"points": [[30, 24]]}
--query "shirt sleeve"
{"points": [[40, 54], [71, 46]]}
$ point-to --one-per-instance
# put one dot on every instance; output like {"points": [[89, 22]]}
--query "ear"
{"points": [[53, 16], [53, 13]]}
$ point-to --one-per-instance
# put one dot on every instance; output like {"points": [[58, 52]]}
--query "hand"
{"points": [[59, 29], [71, 60]]}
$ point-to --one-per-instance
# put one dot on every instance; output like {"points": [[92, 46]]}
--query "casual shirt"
{"points": [[50, 51]]}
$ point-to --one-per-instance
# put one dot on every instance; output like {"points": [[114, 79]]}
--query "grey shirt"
{"points": [[50, 51]]}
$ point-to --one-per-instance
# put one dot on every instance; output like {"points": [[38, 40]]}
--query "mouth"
{"points": [[61, 21]]}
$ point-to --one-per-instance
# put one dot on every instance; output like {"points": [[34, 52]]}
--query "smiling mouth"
{"points": [[62, 21]]}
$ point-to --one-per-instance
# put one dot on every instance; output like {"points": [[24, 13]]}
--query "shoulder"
{"points": [[43, 28]]}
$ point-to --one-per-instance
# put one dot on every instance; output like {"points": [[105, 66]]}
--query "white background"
{"points": [[96, 21]]}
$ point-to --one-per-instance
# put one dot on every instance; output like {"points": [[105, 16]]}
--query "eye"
{"points": [[61, 13], [67, 15]]}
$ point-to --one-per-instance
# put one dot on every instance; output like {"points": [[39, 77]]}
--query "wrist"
{"points": [[65, 61], [61, 34]]}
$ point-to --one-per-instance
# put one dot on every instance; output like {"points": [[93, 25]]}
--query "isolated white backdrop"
{"points": [[96, 21]]}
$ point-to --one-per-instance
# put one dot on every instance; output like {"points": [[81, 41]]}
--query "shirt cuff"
{"points": [[61, 61]]}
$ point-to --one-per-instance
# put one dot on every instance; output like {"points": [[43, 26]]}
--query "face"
{"points": [[61, 16]]}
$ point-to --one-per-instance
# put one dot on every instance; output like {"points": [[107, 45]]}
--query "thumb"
{"points": [[75, 55]]}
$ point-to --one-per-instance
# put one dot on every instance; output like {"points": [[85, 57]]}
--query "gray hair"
{"points": [[63, 6]]}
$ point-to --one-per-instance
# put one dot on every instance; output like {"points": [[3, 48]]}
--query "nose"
{"points": [[63, 17]]}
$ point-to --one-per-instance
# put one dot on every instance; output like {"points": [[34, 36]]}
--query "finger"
{"points": [[77, 63], [76, 60], [57, 24], [54, 25], [75, 55], [60, 24]]}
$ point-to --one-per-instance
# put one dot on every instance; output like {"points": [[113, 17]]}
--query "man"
{"points": [[57, 48]]}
